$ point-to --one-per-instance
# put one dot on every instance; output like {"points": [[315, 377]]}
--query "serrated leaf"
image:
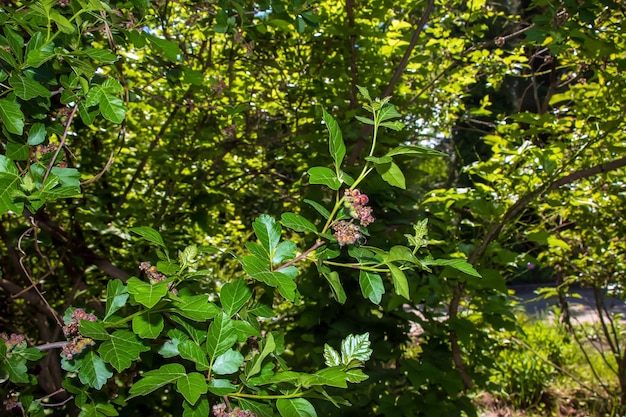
{"points": [[157, 378], [400, 283], [228, 362], [364, 92], [458, 264], [355, 376], [149, 234], [392, 174], [188, 349], [192, 386], [335, 141], [234, 295], [117, 295], [372, 286], [331, 356], [267, 230], [94, 371], [297, 222], [355, 349], [388, 112], [221, 336], [148, 325], [324, 176], [295, 407], [145, 293], [122, 349], [196, 307], [11, 116]]}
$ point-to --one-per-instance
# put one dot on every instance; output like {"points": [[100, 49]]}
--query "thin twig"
{"points": [[68, 123]]}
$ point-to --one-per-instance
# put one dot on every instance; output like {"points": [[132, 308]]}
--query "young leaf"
{"points": [[297, 222], [331, 356], [295, 407], [355, 349], [234, 295], [388, 112], [364, 92], [94, 371], [221, 336], [192, 386], [324, 176], [267, 230], [336, 145], [147, 294], [372, 286], [122, 349]]}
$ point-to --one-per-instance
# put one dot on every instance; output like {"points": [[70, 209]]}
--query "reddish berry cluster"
{"points": [[155, 276], [219, 410], [71, 331], [347, 232], [13, 340]]}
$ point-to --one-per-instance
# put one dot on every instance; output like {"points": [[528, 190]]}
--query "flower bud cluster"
{"points": [[71, 331], [155, 276], [13, 340], [219, 410], [347, 232]]}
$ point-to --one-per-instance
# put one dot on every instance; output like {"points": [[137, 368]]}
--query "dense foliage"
{"points": [[206, 202]]}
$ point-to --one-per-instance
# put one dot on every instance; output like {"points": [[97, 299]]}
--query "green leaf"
{"points": [[117, 295], [297, 222], [101, 55], [149, 234], [122, 349], [382, 160], [17, 151], [388, 112], [396, 125], [355, 349], [258, 408], [157, 378], [221, 336], [372, 286], [335, 141], [112, 108], [145, 293], [284, 252], [94, 371], [148, 325], [233, 296], [335, 285], [192, 386], [11, 116], [27, 88], [324, 176], [200, 409], [170, 49], [188, 349], [94, 330], [267, 230], [331, 356], [414, 150], [364, 92], [400, 282], [355, 376], [196, 307], [228, 362], [16, 369], [319, 208], [221, 387], [365, 120], [333, 377], [295, 407], [458, 264], [392, 174], [286, 285], [37, 134], [268, 347]]}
